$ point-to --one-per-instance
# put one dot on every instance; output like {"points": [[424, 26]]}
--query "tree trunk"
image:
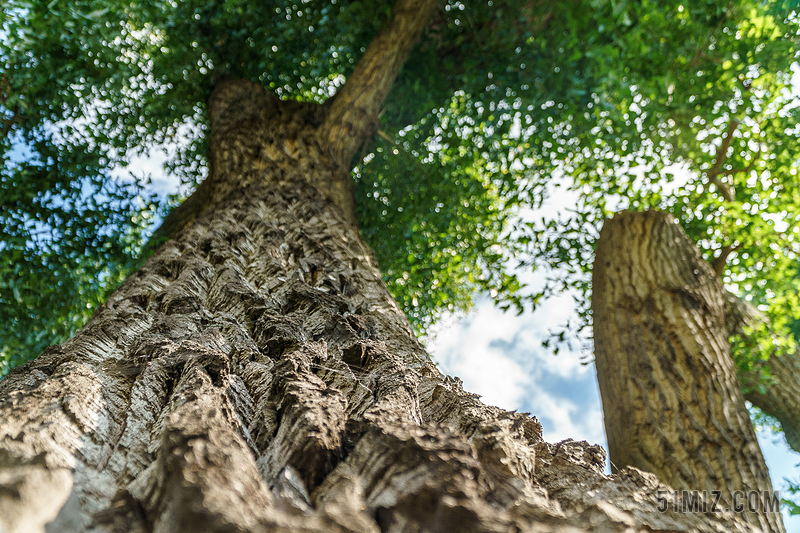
{"points": [[671, 398]]}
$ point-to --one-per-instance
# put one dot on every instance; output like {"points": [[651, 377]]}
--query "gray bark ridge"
{"points": [[255, 375], [672, 402]]}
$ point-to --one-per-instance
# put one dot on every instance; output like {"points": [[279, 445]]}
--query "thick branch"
{"points": [[239, 105], [354, 114], [780, 397]]}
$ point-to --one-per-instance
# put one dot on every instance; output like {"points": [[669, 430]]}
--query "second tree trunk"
{"points": [[671, 398]]}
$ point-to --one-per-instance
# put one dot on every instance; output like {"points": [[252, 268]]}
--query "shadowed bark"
{"points": [[671, 399]]}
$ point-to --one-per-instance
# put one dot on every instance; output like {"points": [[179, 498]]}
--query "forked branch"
{"points": [[718, 264]]}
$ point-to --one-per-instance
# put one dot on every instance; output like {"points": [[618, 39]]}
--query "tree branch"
{"points": [[780, 398], [414, 160], [718, 264], [749, 167], [726, 190], [354, 113], [699, 53]]}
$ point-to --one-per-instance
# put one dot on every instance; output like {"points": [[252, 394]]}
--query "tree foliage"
{"points": [[625, 103]]}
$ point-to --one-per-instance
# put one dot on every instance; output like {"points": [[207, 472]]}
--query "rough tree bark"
{"points": [[671, 399], [255, 375]]}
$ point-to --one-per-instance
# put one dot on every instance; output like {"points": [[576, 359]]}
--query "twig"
{"points": [[383, 135], [700, 50]]}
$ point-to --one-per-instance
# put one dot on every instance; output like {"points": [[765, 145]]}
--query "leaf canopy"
{"points": [[624, 103]]}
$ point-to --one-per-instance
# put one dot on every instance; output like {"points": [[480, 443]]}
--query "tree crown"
{"points": [[682, 106]]}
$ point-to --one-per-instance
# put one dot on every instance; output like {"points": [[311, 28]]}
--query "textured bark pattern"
{"points": [[256, 134], [255, 375], [780, 397], [671, 398]]}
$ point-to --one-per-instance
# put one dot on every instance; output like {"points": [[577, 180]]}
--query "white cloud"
{"points": [[499, 356], [150, 165], [464, 349]]}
